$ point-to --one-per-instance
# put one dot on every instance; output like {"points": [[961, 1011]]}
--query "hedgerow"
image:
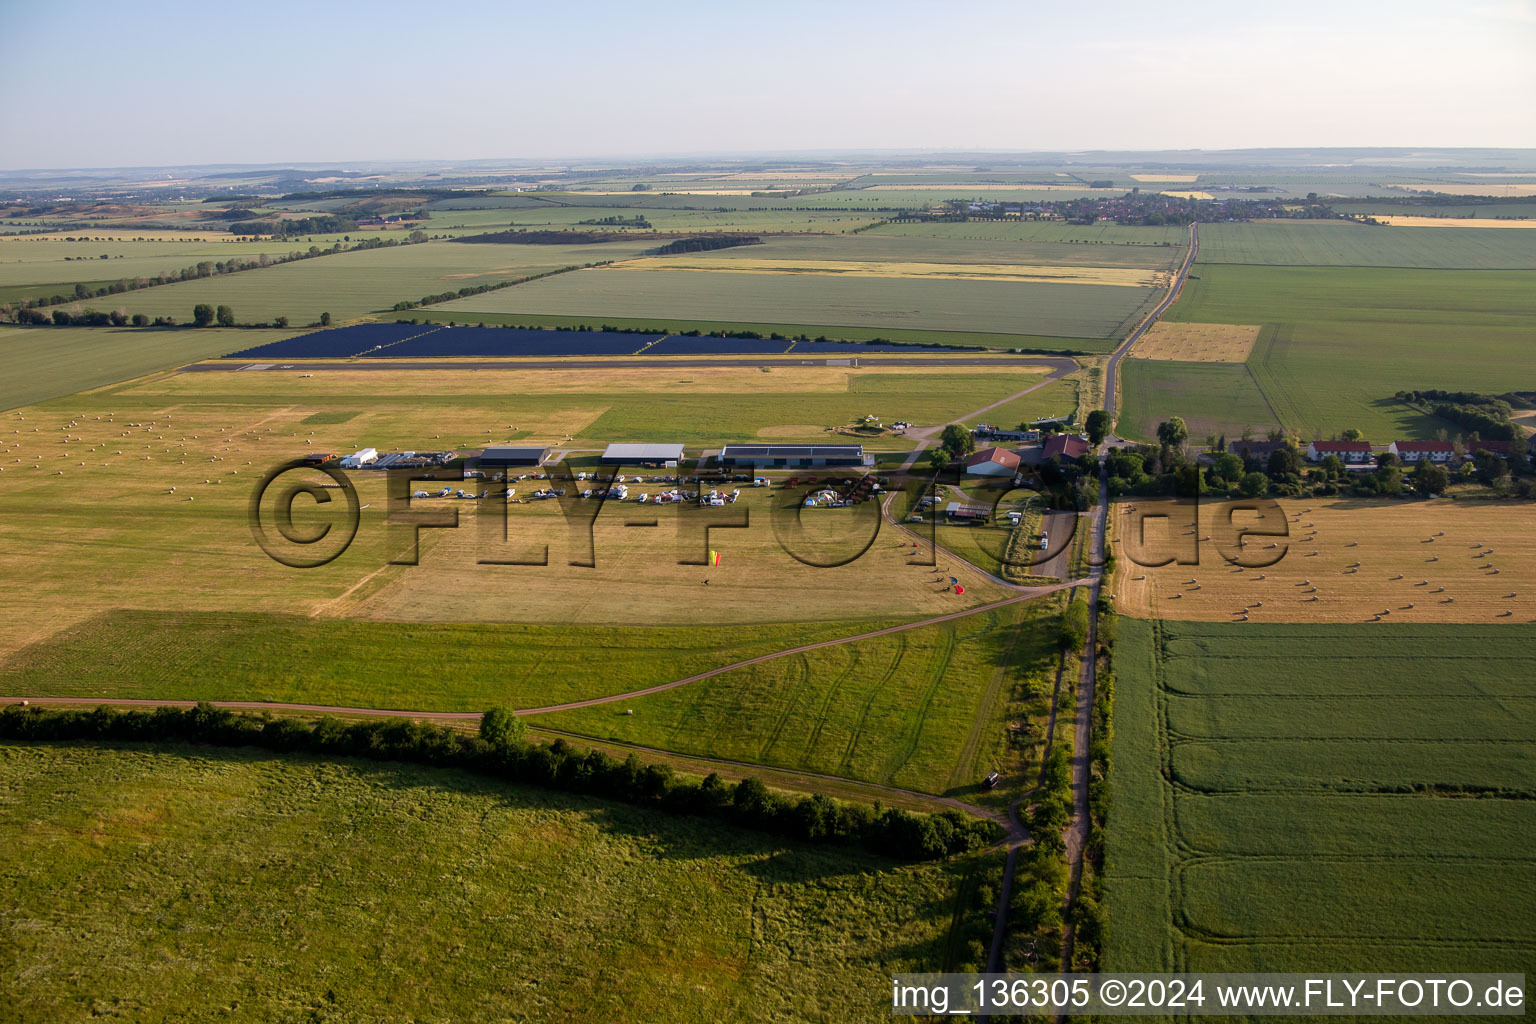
{"points": [[503, 753]]}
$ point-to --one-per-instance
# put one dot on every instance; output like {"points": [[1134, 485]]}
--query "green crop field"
{"points": [[1063, 310], [1347, 244], [49, 362], [911, 709], [176, 883], [29, 264], [1322, 797], [1103, 233], [443, 666], [1213, 398], [352, 284], [959, 251], [1339, 341]]}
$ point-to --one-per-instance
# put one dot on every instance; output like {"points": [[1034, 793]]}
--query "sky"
{"points": [[96, 84]]}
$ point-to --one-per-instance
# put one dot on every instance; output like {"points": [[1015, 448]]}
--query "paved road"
{"points": [[1111, 371], [1061, 365]]}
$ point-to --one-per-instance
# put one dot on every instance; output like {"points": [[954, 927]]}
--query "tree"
{"points": [[61, 318], [1429, 479], [226, 316], [1097, 425], [325, 319], [1072, 628], [939, 458], [202, 314], [1172, 432], [1228, 467], [1352, 434], [281, 321], [1333, 467], [501, 728], [1283, 462], [1254, 485], [416, 236], [1489, 466], [957, 440]]}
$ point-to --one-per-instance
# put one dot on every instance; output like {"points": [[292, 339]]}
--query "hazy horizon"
{"points": [[182, 84]]}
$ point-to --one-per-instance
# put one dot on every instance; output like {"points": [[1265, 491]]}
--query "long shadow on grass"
{"points": [[663, 834]]}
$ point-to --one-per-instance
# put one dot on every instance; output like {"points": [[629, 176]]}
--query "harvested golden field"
{"points": [[1187, 194], [1128, 277], [1184, 178], [304, 385], [1450, 222], [1197, 343], [1343, 561], [638, 577], [1474, 188]]}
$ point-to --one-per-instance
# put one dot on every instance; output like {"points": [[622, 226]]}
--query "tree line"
{"points": [[502, 750], [319, 224]]}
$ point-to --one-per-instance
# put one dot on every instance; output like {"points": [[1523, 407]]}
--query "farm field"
{"points": [[352, 284], [444, 666], [177, 457], [1050, 309], [913, 709], [1453, 222], [1103, 233], [1030, 287], [31, 261], [871, 248], [1197, 343], [48, 362], [1347, 244], [1213, 398], [1338, 342], [1264, 825], [456, 217], [1418, 561], [463, 886]]}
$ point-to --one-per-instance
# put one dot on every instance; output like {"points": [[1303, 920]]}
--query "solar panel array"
{"points": [[679, 346], [394, 341], [341, 343], [502, 341]]}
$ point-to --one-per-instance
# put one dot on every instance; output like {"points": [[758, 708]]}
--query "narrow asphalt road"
{"points": [[1112, 370]]}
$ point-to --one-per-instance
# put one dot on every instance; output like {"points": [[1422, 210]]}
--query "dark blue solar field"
{"points": [[678, 346], [416, 341], [506, 341], [341, 343], [844, 348]]}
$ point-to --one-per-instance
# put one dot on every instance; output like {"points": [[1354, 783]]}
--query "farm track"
{"points": [[1112, 368], [965, 764]]}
